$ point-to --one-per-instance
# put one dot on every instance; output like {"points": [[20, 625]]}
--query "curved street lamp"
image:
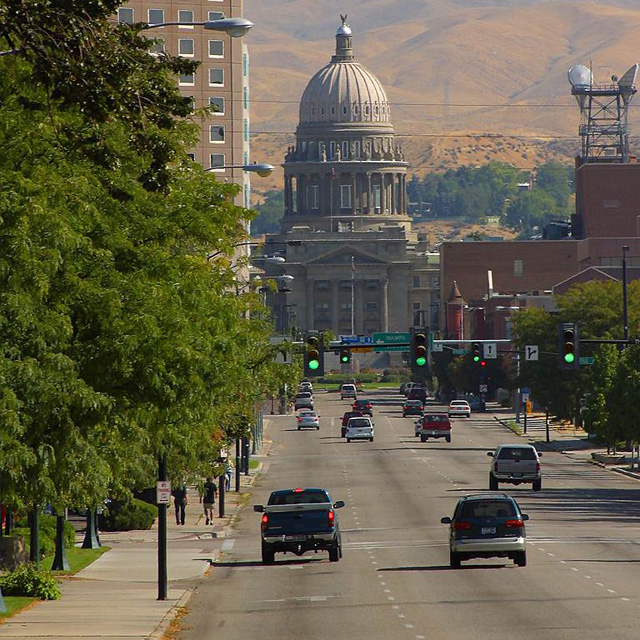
{"points": [[261, 168], [235, 27]]}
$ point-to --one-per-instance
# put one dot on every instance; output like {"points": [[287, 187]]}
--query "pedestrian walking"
{"points": [[208, 499], [228, 474], [180, 501]]}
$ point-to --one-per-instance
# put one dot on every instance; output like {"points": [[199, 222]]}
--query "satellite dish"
{"points": [[628, 81], [580, 76]]}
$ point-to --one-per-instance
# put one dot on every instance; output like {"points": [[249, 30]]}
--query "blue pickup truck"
{"points": [[300, 520]]}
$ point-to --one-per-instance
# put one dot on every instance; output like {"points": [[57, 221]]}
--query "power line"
{"points": [[451, 135]]}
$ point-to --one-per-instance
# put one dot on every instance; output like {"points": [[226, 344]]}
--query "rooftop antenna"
{"points": [[604, 113]]}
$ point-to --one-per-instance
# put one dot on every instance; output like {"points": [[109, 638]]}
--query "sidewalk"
{"points": [[115, 597]]}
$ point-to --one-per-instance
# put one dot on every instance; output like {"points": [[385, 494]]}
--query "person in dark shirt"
{"points": [[180, 503], [208, 499]]}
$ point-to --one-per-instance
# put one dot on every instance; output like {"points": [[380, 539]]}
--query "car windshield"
{"points": [[488, 509], [438, 417], [298, 497], [359, 423], [517, 453]]}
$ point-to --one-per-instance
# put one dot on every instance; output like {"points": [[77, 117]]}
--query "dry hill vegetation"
{"points": [[469, 80]]}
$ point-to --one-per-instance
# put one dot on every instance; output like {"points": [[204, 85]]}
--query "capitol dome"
{"points": [[344, 91]]}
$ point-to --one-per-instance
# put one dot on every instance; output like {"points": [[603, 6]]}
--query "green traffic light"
{"points": [[313, 364], [476, 358], [569, 357], [421, 361], [344, 359]]}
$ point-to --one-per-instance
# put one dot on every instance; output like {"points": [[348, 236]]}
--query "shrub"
{"points": [[344, 378], [128, 515], [29, 582], [398, 374], [47, 533]]}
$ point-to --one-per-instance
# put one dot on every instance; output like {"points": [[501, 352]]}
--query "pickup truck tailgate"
{"points": [[297, 518]]}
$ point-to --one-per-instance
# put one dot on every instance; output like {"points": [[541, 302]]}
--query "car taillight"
{"points": [[515, 524], [462, 524], [332, 517], [264, 523], [537, 467]]}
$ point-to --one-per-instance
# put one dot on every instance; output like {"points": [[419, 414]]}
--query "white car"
{"points": [[360, 428], [308, 419], [348, 391], [459, 408], [305, 386]]}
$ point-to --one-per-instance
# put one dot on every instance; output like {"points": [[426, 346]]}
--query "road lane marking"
{"points": [[391, 598], [408, 626]]}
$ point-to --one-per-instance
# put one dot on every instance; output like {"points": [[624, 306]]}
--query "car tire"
{"points": [[447, 438], [334, 553], [268, 555], [423, 438], [299, 428], [348, 439], [371, 439], [493, 482], [537, 484], [454, 560], [317, 428], [520, 558]]}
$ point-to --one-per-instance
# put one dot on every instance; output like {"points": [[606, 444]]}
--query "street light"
{"points": [[263, 169], [235, 27]]}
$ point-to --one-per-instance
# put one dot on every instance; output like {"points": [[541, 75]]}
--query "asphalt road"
{"points": [[394, 581]]}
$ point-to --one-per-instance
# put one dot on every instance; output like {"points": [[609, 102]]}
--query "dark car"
{"points": [[364, 406], [412, 408], [300, 520], [418, 393], [487, 525], [345, 420]]}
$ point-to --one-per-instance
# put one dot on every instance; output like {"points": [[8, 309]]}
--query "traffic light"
{"points": [[419, 349], [568, 345], [476, 351], [345, 356], [314, 356]]}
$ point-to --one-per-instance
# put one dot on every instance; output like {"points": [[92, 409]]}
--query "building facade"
{"points": [[220, 84], [357, 266]]}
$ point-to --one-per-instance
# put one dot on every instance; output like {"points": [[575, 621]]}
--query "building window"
{"points": [[156, 16], [217, 161], [216, 49], [371, 306], [322, 306], [345, 306], [185, 16], [125, 15], [345, 111], [216, 133], [245, 65], [416, 306], [345, 196], [187, 79], [345, 149], [191, 156], [157, 46], [186, 48], [322, 285], [245, 97], [416, 282], [245, 129], [192, 103], [314, 192], [216, 77], [216, 15], [371, 285], [518, 267], [216, 106]]}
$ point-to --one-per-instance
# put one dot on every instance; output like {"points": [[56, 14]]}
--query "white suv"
{"points": [[359, 428], [348, 391]]}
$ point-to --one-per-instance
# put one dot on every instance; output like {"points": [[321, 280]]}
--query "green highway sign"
{"points": [[391, 338], [389, 347], [459, 352], [587, 360]]}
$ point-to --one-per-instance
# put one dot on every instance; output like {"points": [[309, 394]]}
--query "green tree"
{"points": [[531, 209], [270, 213], [556, 180]]}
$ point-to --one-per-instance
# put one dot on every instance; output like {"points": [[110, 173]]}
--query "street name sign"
{"points": [[391, 338], [437, 346], [531, 352], [163, 492], [355, 339], [490, 350], [587, 360]]}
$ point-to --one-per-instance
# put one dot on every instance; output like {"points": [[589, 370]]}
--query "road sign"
{"points": [[368, 349], [484, 388], [490, 350], [356, 339], [163, 492], [391, 338], [531, 352], [525, 397], [378, 348], [459, 352], [437, 347], [587, 360]]}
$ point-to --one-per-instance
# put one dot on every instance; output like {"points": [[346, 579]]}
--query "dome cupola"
{"points": [[344, 91]]}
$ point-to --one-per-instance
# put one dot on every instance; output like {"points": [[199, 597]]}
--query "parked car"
{"points": [[308, 419], [487, 526], [459, 408], [412, 408], [515, 464], [435, 425], [363, 406], [304, 400], [345, 420], [300, 520], [359, 429], [348, 391]]}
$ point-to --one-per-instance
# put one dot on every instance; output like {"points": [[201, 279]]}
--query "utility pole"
{"points": [[625, 310]]}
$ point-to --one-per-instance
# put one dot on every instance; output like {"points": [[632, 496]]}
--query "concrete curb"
{"points": [[170, 616], [620, 470]]}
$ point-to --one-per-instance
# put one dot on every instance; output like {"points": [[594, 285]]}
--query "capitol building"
{"points": [[357, 266]]}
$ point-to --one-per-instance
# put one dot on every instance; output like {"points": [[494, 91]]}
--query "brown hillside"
{"points": [[461, 75]]}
